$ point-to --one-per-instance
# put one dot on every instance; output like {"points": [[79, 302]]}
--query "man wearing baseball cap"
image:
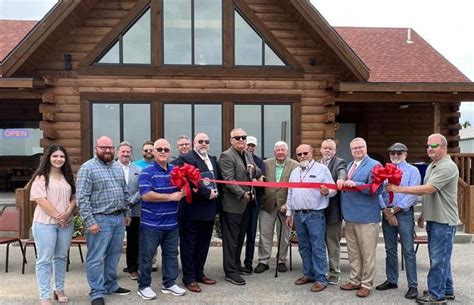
{"points": [[399, 219]]}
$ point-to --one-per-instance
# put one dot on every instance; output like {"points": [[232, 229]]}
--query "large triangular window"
{"points": [[133, 46], [250, 49]]}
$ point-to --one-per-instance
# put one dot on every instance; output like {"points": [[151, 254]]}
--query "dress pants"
{"points": [[195, 238], [361, 246], [333, 244], [133, 244], [267, 229], [234, 227]]}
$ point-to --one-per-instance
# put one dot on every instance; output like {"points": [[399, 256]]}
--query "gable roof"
{"points": [[391, 59], [11, 33]]}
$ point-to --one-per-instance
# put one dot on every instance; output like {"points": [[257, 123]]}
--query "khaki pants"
{"points": [[267, 228], [361, 247], [333, 244]]}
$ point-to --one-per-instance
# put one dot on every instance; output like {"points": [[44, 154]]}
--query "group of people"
{"points": [[114, 196]]}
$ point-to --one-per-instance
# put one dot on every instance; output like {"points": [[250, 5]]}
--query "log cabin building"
{"points": [[138, 70]]}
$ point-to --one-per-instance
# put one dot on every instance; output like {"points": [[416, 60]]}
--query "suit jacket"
{"points": [[134, 199], [232, 167], [270, 195], [361, 207], [201, 208], [333, 212]]}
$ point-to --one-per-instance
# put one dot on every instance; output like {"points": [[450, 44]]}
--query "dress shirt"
{"points": [[300, 198], [279, 170], [411, 177], [206, 160], [126, 171]]}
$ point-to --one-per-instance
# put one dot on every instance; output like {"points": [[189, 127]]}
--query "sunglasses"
{"points": [[305, 153], [433, 146], [148, 150], [204, 141], [398, 153], [240, 138], [162, 150], [105, 147]]}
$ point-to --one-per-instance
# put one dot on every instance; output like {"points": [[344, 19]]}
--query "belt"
{"points": [[115, 213], [305, 211]]}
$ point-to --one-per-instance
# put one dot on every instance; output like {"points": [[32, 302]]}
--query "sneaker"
{"points": [[134, 276], [281, 267], [174, 290], [235, 279], [448, 296], [122, 291], [261, 268], [147, 293], [429, 299], [245, 270], [334, 279]]}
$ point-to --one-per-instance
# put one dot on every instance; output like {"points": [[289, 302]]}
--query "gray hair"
{"points": [[183, 137], [280, 143], [125, 143], [234, 130]]}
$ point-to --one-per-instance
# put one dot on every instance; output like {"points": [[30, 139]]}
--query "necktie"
{"points": [[208, 163], [352, 170]]}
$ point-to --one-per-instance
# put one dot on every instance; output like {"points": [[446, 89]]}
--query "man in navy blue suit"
{"points": [[196, 220]]}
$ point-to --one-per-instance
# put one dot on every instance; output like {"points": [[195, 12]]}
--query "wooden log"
{"points": [[319, 126], [45, 108], [313, 110], [75, 143], [67, 117], [60, 125], [49, 116], [48, 98], [325, 118]]}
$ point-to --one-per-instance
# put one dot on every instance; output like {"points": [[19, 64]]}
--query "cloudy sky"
{"points": [[447, 25]]}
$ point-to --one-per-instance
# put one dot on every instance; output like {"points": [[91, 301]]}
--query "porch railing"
{"points": [[465, 190]]}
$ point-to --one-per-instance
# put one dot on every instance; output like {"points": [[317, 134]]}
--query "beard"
{"points": [[304, 163], [202, 151], [105, 157], [396, 162], [147, 156]]}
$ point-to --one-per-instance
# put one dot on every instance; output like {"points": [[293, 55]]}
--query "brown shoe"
{"points": [[317, 287], [207, 281], [193, 287], [363, 292], [303, 280], [349, 286]]}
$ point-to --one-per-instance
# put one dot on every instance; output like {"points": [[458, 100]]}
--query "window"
{"points": [[23, 141], [129, 122], [192, 32], [133, 46], [250, 49], [189, 119], [269, 123]]}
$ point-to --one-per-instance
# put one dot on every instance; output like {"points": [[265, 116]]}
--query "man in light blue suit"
{"points": [[361, 213]]}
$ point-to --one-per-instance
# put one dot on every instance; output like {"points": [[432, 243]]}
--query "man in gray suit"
{"points": [[131, 173], [235, 164], [277, 169], [337, 167]]}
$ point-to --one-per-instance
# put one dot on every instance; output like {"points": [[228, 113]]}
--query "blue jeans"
{"points": [[103, 254], [52, 245], [149, 241], [406, 230], [440, 248], [311, 231]]}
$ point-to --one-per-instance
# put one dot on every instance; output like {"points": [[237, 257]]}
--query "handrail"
{"points": [[465, 208]]}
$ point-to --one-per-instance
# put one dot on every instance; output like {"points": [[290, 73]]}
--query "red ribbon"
{"points": [[390, 172], [181, 176]]}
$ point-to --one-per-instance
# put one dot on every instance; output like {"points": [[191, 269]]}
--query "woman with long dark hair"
{"points": [[53, 190]]}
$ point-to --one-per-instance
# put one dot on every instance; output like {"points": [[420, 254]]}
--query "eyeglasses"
{"points": [[305, 153], [184, 144], [105, 147], [162, 150], [204, 141], [357, 147], [148, 150], [240, 138], [433, 146], [398, 153]]}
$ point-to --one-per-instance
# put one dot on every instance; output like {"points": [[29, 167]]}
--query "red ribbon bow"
{"points": [[390, 172], [182, 176]]}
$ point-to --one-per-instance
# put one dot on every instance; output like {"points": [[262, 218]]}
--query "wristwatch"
{"points": [[392, 210]]}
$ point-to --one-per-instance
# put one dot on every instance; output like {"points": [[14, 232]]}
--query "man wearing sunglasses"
{"points": [[147, 152], [236, 164], [440, 211], [361, 213], [399, 220], [305, 208], [196, 221], [159, 223]]}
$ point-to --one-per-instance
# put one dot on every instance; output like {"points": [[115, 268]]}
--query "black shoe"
{"points": [[261, 268], [386, 285], [412, 293], [122, 291], [235, 279], [98, 301], [448, 296], [282, 267], [429, 299], [245, 270]]}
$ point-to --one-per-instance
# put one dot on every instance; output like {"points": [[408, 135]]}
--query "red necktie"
{"points": [[352, 170]]}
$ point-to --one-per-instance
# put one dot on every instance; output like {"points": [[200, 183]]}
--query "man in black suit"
{"points": [[337, 167], [197, 219], [235, 164]]}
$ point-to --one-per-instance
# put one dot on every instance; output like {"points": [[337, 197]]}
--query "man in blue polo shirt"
{"points": [[159, 223]]}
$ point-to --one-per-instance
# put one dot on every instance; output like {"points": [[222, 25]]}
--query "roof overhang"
{"points": [[21, 88], [403, 92], [21, 83]]}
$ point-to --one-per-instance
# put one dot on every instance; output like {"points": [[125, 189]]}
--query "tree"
{"points": [[466, 124]]}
